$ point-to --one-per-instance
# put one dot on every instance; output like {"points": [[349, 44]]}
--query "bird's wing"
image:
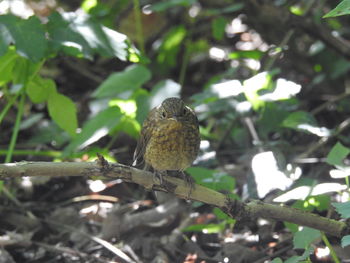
{"points": [[146, 132]]}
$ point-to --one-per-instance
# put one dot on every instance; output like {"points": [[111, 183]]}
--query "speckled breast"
{"points": [[172, 146]]}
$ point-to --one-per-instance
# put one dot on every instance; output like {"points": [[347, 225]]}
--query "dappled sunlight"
{"points": [[128, 107], [227, 88], [251, 109], [217, 54], [302, 192], [96, 185], [17, 7], [319, 131], [267, 174], [284, 89]]}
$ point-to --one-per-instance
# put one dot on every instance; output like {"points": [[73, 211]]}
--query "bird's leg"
{"points": [[159, 175], [190, 181]]}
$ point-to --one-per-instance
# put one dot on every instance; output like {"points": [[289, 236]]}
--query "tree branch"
{"points": [[234, 208]]}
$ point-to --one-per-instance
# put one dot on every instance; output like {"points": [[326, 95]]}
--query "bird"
{"points": [[169, 139]]}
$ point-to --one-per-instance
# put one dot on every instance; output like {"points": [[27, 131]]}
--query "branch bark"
{"points": [[234, 208]]}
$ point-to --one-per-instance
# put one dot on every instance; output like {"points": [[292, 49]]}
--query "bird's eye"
{"points": [[163, 114], [184, 111]]}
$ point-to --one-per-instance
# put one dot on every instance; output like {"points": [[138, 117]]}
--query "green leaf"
{"points": [[343, 209], [7, 63], [303, 258], [129, 126], [39, 89], [305, 237], [212, 178], [222, 216], [276, 260], [168, 51], [142, 99], [292, 227], [206, 228], [200, 173], [320, 202], [345, 241], [80, 35], [254, 54], [95, 128], [304, 121], [295, 119], [271, 118], [63, 111], [129, 80], [28, 35], [218, 27], [48, 134], [343, 8], [337, 154], [24, 70]]}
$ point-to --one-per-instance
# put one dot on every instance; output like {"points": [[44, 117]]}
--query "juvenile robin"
{"points": [[169, 138]]}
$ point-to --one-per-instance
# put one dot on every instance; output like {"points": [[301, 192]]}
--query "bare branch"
{"points": [[234, 208]]}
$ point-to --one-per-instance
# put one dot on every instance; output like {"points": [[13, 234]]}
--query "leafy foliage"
{"points": [[271, 99]]}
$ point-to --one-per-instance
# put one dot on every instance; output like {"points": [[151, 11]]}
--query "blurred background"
{"points": [[268, 80]]}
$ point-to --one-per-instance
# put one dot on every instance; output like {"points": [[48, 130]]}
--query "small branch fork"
{"points": [[234, 208]]}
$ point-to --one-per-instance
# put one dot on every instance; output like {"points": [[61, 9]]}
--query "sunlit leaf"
{"points": [[343, 8], [220, 214], [206, 228], [169, 49], [253, 85], [7, 63], [39, 89], [86, 5], [63, 111], [24, 70], [254, 54]]}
